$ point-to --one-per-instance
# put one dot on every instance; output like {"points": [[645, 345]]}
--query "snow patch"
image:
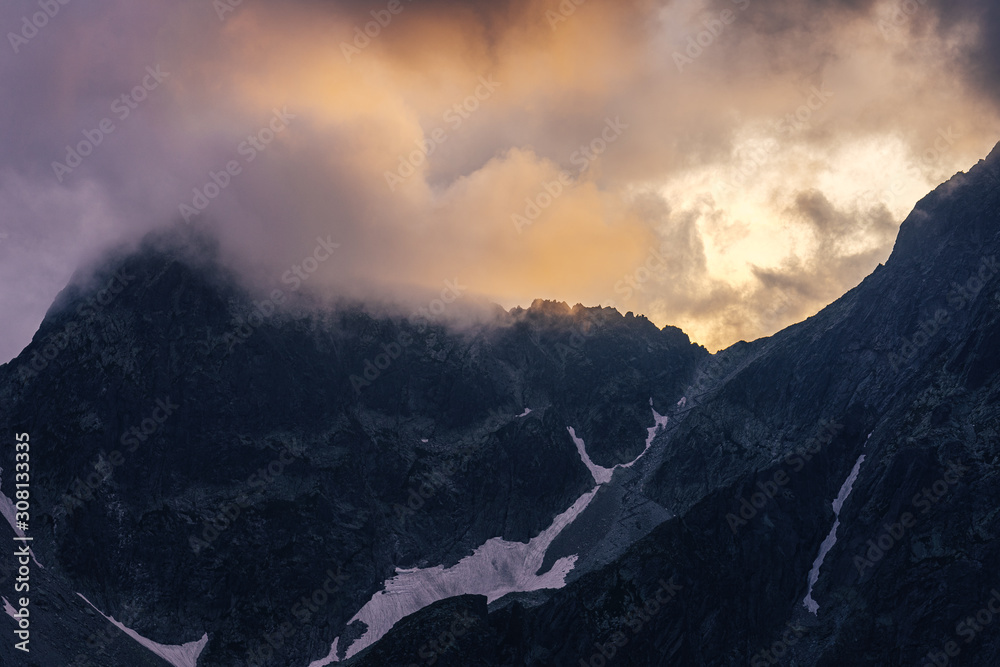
{"points": [[8, 510], [7, 607], [424, 440], [681, 403], [831, 539], [185, 655], [330, 658], [527, 411], [495, 569], [659, 422], [601, 475]]}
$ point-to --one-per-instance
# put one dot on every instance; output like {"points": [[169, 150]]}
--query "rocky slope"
{"points": [[260, 462], [905, 368]]}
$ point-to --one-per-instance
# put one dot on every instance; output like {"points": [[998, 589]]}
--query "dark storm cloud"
{"points": [[981, 60], [834, 227], [800, 33]]}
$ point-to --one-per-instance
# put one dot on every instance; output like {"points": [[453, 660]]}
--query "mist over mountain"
{"points": [[242, 476]]}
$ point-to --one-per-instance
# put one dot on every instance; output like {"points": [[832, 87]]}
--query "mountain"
{"points": [[238, 481]]}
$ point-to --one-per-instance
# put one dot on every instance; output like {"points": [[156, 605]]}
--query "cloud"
{"points": [[968, 28], [771, 169]]}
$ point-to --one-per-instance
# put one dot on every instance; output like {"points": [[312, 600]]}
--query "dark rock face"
{"points": [[271, 486], [906, 367], [257, 466]]}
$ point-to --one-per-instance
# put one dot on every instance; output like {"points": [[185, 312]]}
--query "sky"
{"points": [[725, 166]]}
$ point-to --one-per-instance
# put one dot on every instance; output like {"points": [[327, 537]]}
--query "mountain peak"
{"points": [[550, 307], [994, 157]]}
